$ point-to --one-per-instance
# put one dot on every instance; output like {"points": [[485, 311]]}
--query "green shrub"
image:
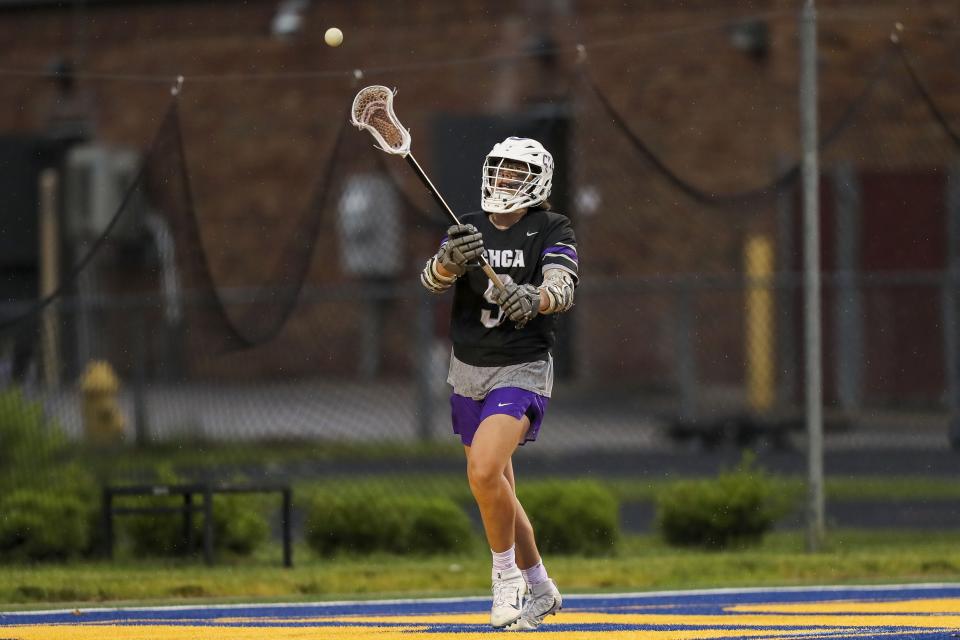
{"points": [[735, 509], [239, 527], [239, 523], [155, 535], [27, 440], [573, 517], [364, 522], [43, 525], [75, 479], [353, 521], [436, 525]]}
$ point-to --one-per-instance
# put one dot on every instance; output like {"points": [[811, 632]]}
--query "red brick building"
{"points": [[709, 86]]}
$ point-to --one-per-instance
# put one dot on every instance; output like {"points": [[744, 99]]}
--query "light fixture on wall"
{"points": [[288, 20]]}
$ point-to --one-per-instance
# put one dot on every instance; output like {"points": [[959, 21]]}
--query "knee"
{"points": [[484, 478]]}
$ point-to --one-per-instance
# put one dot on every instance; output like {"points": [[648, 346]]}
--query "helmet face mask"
{"points": [[508, 180], [517, 174]]}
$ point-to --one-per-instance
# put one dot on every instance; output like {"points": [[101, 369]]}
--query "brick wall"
{"points": [[260, 116]]}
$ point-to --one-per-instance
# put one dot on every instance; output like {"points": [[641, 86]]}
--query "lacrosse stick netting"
{"points": [[373, 111]]}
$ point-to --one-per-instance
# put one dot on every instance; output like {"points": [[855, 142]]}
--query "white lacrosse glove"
{"points": [[464, 243], [520, 303]]}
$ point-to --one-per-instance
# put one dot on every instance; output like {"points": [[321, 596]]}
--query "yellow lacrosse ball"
{"points": [[333, 37]]}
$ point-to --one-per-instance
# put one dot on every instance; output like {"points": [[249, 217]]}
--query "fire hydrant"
{"points": [[102, 420]]}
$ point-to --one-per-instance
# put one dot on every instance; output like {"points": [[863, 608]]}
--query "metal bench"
{"points": [[188, 508]]}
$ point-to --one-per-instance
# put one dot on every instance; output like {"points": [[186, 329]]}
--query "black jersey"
{"points": [[482, 335]]}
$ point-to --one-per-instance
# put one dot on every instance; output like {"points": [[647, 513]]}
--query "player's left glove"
{"points": [[521, 303], [464, 243]]}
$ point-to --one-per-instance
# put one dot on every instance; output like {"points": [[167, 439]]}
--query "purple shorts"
{"points": [[469, 413]]}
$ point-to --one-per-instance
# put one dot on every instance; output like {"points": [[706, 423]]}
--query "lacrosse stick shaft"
{"points": [[487, 269]]}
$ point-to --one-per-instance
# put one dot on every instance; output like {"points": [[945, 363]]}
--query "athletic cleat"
{"points": [[543, 600], [508, 591]]}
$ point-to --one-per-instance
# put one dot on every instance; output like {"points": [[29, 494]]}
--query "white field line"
{"points": [[572, 596]]}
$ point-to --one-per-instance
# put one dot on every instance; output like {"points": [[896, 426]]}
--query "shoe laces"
{"points": [[505, 592], [537, 606]]}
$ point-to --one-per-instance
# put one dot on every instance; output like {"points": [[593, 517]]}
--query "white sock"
{"points": [[537, 574], [503, 560]]}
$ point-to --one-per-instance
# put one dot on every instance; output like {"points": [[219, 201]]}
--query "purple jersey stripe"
{"points": [[566, 251]]}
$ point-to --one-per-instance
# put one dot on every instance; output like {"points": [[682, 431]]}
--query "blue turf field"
{"points": [[901, 612]]}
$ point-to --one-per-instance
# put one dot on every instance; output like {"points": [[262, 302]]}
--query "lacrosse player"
{"points": [[501, 369]]}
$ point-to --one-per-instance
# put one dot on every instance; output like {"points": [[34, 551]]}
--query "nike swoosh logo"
{"points": [[532, 234], [503, 404]]}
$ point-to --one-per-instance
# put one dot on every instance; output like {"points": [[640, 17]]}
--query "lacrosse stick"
{"points": [[373, 110]]}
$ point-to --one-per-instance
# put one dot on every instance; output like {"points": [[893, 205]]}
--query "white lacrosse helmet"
{"points": [[517, 173]]}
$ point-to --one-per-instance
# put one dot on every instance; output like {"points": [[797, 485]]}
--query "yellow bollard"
{"points": [[759, 323], [102, 420]]}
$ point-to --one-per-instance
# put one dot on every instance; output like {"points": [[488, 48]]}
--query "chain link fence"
{"points": [[223, 316]]}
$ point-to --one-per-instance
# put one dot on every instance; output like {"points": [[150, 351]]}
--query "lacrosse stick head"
{"points": [[373, 110]]}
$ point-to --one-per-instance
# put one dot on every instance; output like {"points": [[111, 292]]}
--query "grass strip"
{"points": [[641, 563]]}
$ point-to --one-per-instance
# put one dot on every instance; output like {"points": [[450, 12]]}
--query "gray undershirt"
{"points": [[476, 382]]}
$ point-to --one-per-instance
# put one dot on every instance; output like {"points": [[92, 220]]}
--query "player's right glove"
{"points": [[520, 303], [464, 243]]}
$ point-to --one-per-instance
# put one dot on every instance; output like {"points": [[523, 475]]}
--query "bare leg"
{"points": [[527, 553], [487, 461]]}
